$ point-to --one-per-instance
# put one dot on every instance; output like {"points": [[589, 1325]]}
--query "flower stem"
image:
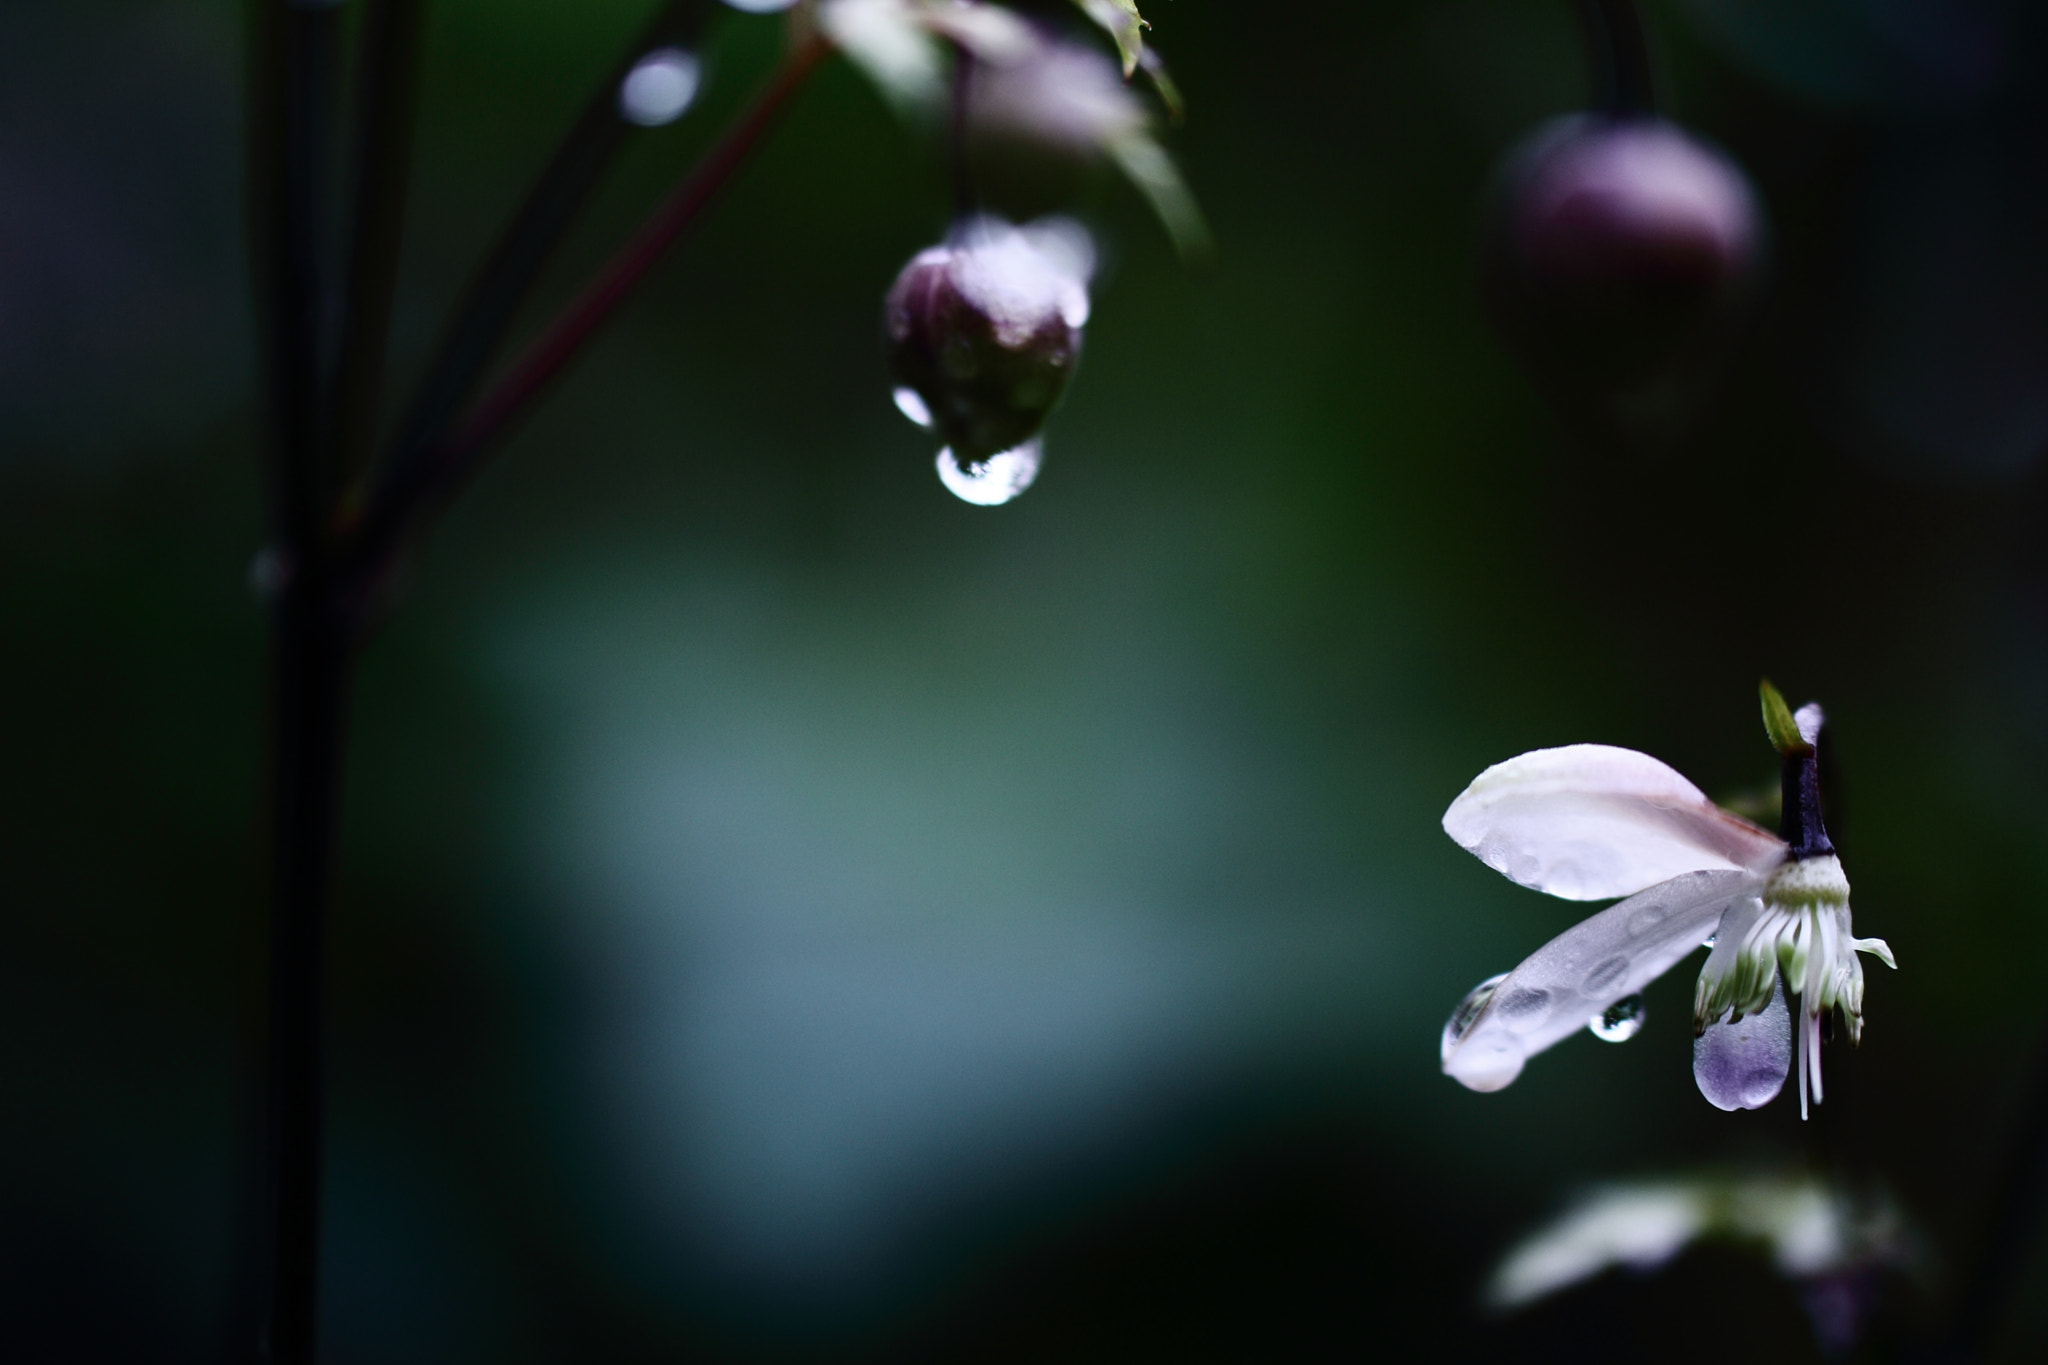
{"points": [[439, 471], [292, 109], [1620, 58], [382, 160], [310, 674], [501, 285]]}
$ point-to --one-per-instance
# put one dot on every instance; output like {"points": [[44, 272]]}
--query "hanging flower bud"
{"points": [[984, 332], [1620, 248]]}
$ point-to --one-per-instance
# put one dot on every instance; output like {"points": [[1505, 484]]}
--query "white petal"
{"points": [[1582, 971], [1590, 821]]}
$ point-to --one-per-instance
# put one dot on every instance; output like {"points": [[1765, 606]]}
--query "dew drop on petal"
{"points": [[1620, 1021], [1468, 1010], [1742, 1065], [1526, 1005], [1606, 976], [995, 480]]}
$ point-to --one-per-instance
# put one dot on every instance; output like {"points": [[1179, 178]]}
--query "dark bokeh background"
{"points": [[790, 914]]}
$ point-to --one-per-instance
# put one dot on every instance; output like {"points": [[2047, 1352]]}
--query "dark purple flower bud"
{"points": [[984, 332], [1620, 246]]}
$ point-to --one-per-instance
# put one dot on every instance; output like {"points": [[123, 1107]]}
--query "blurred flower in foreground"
{"points": [[1831, 1246], [1028, 89], [1589, 821], [984, 332]]}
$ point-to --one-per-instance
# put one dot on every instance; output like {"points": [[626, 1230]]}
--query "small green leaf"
{"points": [[1778, 722], [1122, 22], [1169, 93], [1146, 165]]}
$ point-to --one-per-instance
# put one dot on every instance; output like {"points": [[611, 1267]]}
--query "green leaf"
{"points": [[1122, 22], [1778, 722], [1169, 93], [1145, 163]]}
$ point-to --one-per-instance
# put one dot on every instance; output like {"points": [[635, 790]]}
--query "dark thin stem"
{"points": [[388, 520], [965, 201], [292, 112], [382, 161], [1620, 57], [501, 285], [292, 123], [310, 668]]}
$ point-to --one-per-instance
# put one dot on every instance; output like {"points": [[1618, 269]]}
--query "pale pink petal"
{"points": [[1591, 821]]}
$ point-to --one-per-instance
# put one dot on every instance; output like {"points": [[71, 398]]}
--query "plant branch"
{"points": [[292, 110], [294, 51], [1619, 54], [500, 287], [382, 161], [446, 466]]}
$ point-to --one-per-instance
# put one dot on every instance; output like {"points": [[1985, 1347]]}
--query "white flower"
{"points": [[1589, 822]]}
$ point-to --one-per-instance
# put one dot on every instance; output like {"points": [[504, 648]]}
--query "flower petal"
{"points": [[1742, 1065], [1582, 971], [1590, 821]]}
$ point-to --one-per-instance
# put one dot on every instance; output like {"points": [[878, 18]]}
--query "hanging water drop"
{"points": [[993, 481], [660, 87], [912, 405], [1620, 1021]]}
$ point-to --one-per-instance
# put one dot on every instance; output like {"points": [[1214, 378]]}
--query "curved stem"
{"points": [[382, 160], [1619, 54], [439, 471], [501, 285]]}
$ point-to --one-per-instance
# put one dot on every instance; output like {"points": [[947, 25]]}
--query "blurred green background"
{"points": [[788, 913]]}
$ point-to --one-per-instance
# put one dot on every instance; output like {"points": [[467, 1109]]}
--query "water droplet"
{"points": [[911, 405], [1468, 1010], [1606, 976], [1620, 1021], [995, 480], [659, 87], [269, 572], [1712, 939]]}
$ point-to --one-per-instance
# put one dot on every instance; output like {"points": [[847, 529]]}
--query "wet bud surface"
{"points": [[985, 330]]}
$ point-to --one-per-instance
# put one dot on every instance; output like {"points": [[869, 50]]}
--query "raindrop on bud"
{"points": [[984, 332]]}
